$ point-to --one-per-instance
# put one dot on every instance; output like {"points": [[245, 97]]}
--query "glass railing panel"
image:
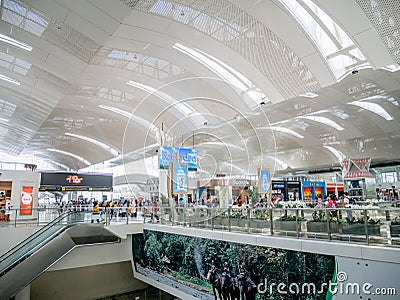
{"points": [[38, 239]]}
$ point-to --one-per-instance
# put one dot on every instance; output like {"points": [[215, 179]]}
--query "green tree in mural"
{"points": [[153, 249]]}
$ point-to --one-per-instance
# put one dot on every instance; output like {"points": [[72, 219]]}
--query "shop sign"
{"points": [[240, 182]]}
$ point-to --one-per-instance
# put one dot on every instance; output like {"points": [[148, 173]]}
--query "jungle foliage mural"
{"points": [[234, 271]]}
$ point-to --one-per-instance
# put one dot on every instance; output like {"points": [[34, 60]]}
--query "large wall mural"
{"points": [[225, 270]]}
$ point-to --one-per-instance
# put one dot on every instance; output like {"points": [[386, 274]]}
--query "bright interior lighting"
{"points": [[309, 95], [14, 42], [232, 166], [143, 122], [223, 144], [391, 68], [279, 161], [324, 120], [374, 108], [70, 154], [10, 80], [246, 89], [286, 130], [182, 107], [339, 155], [94, 141]]}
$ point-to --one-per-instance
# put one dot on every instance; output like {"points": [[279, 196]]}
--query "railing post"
{"points": [[328, 222], [229, 218], [297, 223], [15, 219], [212, 219], [366, 225], [271, 223], [248, 219]]}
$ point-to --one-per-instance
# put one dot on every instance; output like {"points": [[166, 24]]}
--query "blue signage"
{"points": [[180, 184], [168, 155], [264, 177]]}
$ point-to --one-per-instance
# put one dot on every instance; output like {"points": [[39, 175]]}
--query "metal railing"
{"points": [[357, 225], [364, 225]]}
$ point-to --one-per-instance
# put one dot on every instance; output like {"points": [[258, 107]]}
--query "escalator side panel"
{"points": [[24, 273]]}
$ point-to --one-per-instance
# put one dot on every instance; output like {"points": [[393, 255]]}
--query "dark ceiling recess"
{"points": [[392, 163]]}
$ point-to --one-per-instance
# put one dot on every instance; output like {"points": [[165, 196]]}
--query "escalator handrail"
{"points": [[32, 237]]}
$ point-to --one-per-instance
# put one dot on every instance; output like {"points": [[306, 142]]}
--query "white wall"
{"points": [[20, 179], [369, 275], [11, 236]]}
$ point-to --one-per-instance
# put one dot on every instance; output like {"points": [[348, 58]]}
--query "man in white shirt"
{"points": [[346, 203]]}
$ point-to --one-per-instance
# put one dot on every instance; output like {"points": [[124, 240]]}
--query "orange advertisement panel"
{"points": [[26, 200]]}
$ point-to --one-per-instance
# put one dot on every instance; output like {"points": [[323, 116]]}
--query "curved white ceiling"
{"points": [[250, 89]]}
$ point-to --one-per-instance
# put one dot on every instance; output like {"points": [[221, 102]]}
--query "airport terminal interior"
{"points": [[199, 149]]}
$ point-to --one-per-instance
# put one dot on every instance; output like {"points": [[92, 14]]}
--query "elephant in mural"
{"points": [[247, 287], [215, 279]]}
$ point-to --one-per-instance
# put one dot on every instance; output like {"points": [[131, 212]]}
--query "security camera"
{"points": [[354, 72]]}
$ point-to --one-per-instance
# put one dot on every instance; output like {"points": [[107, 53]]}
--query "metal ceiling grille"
{"points": [[138, 62], [385, 16], [242, 33], [37, 23], [72, 41]]}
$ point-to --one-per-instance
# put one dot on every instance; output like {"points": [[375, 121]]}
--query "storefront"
{"points": [[335, 188], [277, 191], [293, 190], [313, 190]]}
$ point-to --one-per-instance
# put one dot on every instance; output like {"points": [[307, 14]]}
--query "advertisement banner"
{"points": [[180, 178], [26, 200], [201, 268], [264, 180], [184, 155]]}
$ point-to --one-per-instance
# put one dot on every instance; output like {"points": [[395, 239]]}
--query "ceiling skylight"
{"points": [[138, 62], [23, 17], [334, 44], [245, 88], [374, 108], [102, 145], [10, 80], [323, 120], [70, 154], [15, 64]]}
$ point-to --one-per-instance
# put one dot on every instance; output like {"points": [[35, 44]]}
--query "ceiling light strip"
{"points": [[14, 42], [71, 155], [95, 142], [10, 80]]}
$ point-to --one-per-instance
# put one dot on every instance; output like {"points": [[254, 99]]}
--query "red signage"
{"points": [[361, 163], [333, 184], [26, 200], [358, 174], [74, 179]]}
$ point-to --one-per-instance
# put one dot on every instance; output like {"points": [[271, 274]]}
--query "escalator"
{"points": [[33, 256]]}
